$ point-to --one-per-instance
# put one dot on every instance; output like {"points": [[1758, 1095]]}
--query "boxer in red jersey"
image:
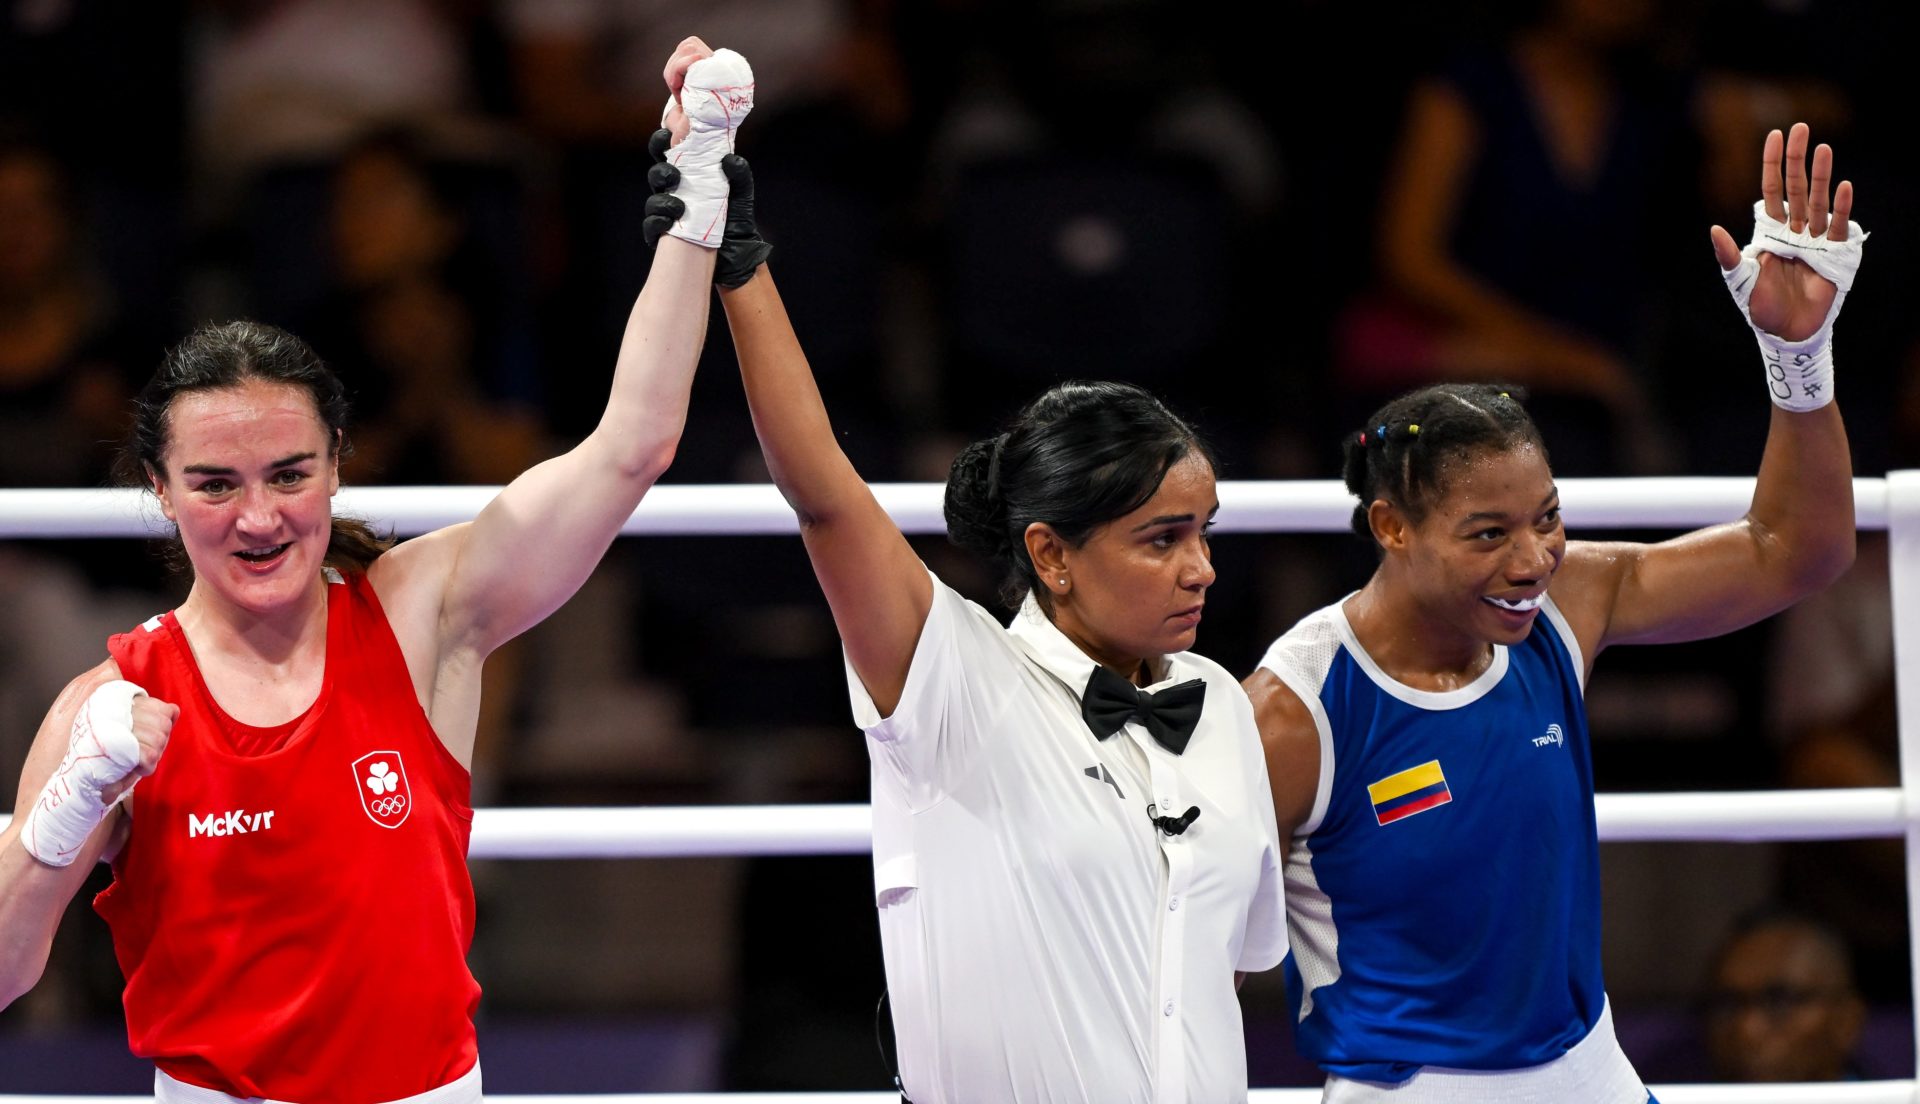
{"points": [[291, 904]]}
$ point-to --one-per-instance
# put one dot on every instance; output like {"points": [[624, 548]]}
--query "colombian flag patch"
{"points": [[1414, 790]]}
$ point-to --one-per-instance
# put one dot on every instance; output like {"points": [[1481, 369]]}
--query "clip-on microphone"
{"points": [[1173, 826]]}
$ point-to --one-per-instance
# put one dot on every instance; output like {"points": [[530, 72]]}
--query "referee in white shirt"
{"points": [[1074, 844]]}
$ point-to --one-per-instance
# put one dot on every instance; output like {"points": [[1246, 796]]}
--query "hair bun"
{"points": [[976, 516]]}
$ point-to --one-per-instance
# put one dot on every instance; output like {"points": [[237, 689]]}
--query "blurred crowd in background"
{"points": [[1275, 229]]}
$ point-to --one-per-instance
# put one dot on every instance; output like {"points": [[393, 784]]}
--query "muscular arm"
{"points": [[456, 595], [877, 588], [1292, 745], [1798, 535], [33, 895]]}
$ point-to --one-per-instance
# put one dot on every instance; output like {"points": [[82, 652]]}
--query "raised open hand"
{"points": [[1789, 299]]}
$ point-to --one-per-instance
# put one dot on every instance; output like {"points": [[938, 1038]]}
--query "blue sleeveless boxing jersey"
{"points": [[1443, 897]]}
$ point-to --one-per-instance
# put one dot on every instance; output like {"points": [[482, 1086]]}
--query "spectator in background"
{"points": [[282, 90], [1101, 79], [1099, 193], [100, 86], [1781, 1004], [1513, 165], [67, 363], [66, 367], [836, 94], [409, 322], [589, 73], [64, 357], [296, 80]]}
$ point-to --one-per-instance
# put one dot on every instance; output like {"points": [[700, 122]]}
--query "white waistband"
{"points": [[1595, 1071], [464, 1089]]}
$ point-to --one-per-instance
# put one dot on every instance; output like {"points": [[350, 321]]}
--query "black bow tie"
{"points": [[1111, 701]]}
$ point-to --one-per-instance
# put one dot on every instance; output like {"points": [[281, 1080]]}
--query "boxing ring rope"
{"points": [[682, 510], [1892, 504]]}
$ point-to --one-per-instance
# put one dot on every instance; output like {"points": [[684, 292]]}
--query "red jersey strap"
{"points": [[135, 652]]}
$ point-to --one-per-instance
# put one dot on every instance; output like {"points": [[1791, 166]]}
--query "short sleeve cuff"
{"points": [[930, 655]]}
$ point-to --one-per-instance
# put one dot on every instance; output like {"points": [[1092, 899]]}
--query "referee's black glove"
{"points": [[742, 250], [663, 207]]}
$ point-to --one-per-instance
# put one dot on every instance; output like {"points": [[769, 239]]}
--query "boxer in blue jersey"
{"points": [[1426, 737]]}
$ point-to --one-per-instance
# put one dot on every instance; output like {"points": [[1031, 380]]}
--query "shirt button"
{"points": [[1173, 905], [1168, 1009]]}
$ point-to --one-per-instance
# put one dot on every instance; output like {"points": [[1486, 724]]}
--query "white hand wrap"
{"points": [[1799, 373], [101, 751], [716, 97]]}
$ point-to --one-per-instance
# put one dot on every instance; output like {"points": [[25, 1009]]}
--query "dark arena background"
{"points": [[1272, 215]]}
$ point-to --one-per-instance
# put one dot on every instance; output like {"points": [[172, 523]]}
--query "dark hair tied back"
{"points": [[1403, 452], [976, 519], [1080, 455], [227, 355]]}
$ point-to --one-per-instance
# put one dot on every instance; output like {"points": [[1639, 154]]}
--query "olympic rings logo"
{"points": [[382, 784]]}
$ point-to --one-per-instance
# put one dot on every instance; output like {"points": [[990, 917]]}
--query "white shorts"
{"points": [[464, 1089], [1595, 1071]]}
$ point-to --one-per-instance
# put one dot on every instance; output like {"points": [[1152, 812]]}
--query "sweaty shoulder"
{"points": [[1587, 586]]}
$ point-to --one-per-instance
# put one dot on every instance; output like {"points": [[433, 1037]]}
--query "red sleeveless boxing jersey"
{"points": [[292, 908]]}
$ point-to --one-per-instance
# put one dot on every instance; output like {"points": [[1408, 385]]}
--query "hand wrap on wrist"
{"points": [[1799, 373], [102, 750], [716, 97]]}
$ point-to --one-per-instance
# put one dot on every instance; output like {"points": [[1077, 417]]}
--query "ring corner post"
{"points": [[1903, 538]]}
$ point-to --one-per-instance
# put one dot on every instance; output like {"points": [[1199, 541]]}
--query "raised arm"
{"points": [[878, 589], [533, 546], [1798, 535], [470, 588]]}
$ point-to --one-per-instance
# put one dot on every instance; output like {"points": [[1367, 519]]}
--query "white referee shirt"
{"points": [[1045, 942]]}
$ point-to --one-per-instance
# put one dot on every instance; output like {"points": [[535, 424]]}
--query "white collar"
{"points": [[1059, 656]]}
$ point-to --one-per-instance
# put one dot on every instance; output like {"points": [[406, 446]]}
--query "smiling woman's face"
{"points": [[1139, 582], [249, 480], [1489, 545]]}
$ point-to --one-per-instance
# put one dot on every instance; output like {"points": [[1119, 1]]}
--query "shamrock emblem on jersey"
{"points": [[381, 781]]}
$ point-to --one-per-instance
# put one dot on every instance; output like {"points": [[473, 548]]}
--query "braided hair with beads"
{"points": [[1406, 449]]}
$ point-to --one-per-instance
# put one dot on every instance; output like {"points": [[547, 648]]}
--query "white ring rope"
{"points": [[687, 831], [843, 829], [739, 509], [1322, 506]]}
